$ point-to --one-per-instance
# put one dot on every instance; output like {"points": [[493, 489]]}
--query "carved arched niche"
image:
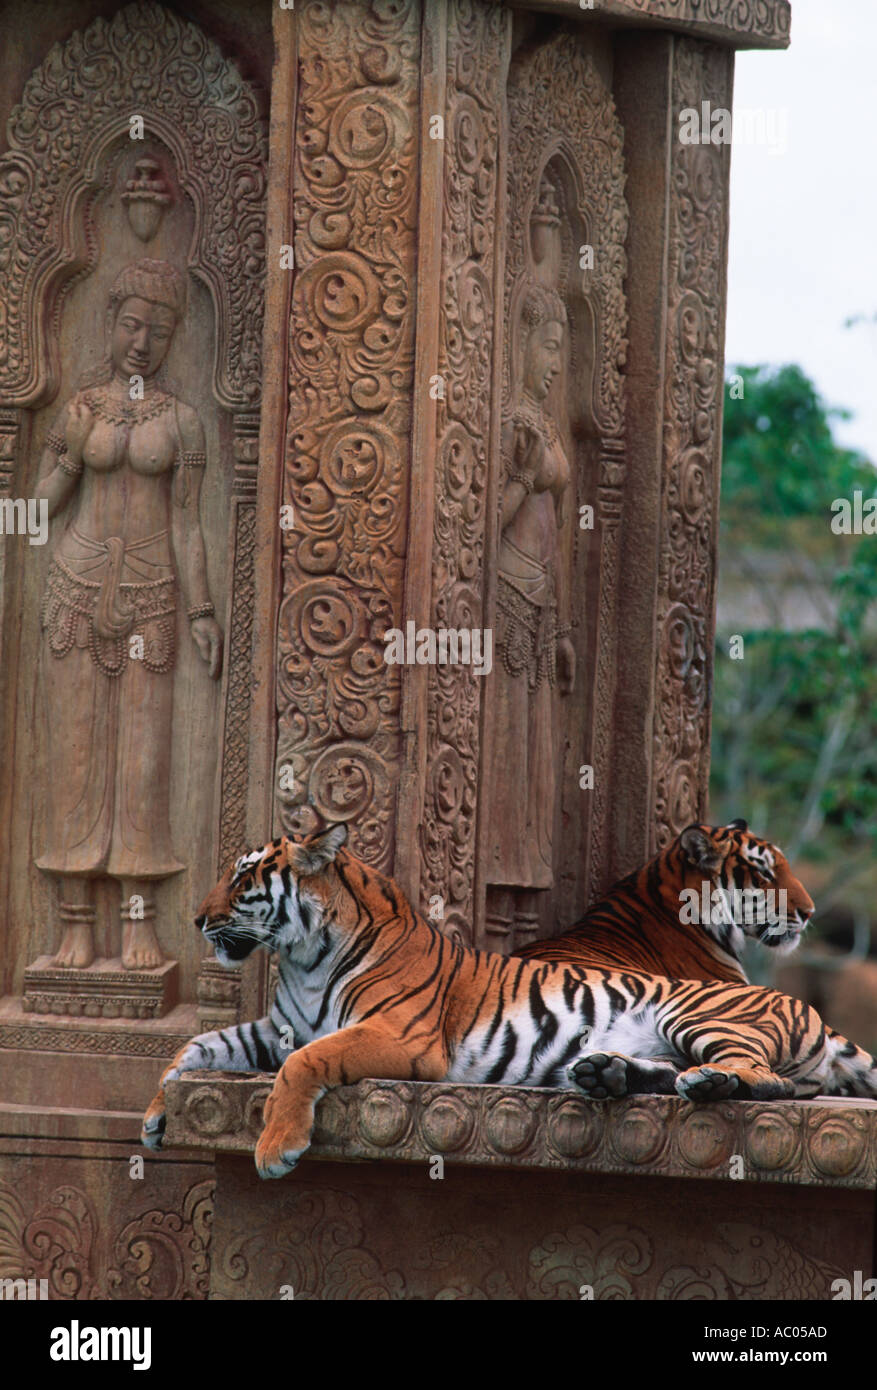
{"points": [[566, 231], [137, 139]]}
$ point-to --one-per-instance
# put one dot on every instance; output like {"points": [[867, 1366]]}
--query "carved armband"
{"points": [[58, 445], [66, 464], [521, 478]]}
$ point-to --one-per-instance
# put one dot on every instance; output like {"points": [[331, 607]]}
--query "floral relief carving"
{"points": [[55, 1242], [165, 1254], [477, 39], [691, 453], [159, 1254], [74, 107], [769, 19], [351, 367]]}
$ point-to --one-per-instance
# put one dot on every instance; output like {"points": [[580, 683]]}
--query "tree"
{"points": [[795, 721]]}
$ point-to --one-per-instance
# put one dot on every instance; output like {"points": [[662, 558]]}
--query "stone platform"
{"points": [[425, 1191]]}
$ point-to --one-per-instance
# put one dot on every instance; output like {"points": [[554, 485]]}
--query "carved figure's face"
{"points": [[142, 337], [543, 358]]}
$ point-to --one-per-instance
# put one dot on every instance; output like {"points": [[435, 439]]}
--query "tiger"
{"points": [[637, 924], [367, 987]]}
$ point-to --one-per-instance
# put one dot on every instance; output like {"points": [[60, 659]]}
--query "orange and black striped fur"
{"points": [[368, 987], [638, 924]]}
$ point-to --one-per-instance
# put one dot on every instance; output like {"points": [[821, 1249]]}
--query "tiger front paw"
{"points": [[277, 1152], [706, 1083], [286, 1136], [154, 1123]]}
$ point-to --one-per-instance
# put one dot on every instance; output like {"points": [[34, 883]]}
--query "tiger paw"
{"points": [[154, 1123], [277, 1154], [600, 1075], [706, 1083]]}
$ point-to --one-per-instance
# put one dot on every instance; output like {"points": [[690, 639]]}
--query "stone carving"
{"points": [[203, 161], [534, 653], [696, 276], [144, 60], [54, 1243], [235, 761], [313, 1245], [740, 1262], [159, 1254], [132, 468], [165, 1254], [351, 337], [145, 199], [607, 1260], [324, 1243], [805, 1142], [566, 200], [768, 19], [103, 990], [47, 1037], [465, 447]]}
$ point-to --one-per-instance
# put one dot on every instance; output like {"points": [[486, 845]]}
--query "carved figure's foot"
{"points": [[76, 951], [140, 948]]}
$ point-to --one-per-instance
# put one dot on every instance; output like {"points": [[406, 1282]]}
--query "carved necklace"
{"points": [[114, 405], [532, 412]]}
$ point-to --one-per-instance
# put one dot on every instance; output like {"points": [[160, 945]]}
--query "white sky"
{"points": [[803, 248]]}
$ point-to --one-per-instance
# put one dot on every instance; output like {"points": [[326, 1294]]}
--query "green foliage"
{"points": [[795, 722]]}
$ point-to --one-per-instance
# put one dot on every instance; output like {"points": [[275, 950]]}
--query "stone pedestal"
{"points": [[105, 989], [495, 1192]]}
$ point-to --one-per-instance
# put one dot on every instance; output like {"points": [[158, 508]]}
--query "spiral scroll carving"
{"points": [[351, 368]]}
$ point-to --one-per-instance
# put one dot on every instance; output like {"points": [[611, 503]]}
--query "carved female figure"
{"points": [[535, 654], [129, 455]]}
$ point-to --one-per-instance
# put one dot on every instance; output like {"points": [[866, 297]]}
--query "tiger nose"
{"points": [[201, 922]]}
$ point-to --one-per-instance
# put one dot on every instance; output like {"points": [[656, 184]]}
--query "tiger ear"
{"points": [[736, 825], [313, 854], [700, 850]]}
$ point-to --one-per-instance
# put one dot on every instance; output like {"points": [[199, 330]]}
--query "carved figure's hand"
{"points": [[79, 426], [207, 635], [566, 666], [529, 452]]}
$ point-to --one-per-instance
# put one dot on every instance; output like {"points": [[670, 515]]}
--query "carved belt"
{"points": [[102, 613], [528, 633]]}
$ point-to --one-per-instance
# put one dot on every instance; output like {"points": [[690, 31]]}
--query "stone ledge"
{"points": [[825, 1142], [741, 23]]}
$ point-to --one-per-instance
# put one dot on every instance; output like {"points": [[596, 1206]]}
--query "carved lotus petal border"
{"points": [[144, 61], [820, 1142]]}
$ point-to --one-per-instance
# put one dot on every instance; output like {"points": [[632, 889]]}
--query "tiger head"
{"points": [[728, 857], [277, 897]]}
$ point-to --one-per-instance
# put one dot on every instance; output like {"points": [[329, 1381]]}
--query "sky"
{"points": [[803, 244]]}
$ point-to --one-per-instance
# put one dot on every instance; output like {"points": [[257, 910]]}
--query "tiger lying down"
{"points": [[370, 988], [637, 925]]}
